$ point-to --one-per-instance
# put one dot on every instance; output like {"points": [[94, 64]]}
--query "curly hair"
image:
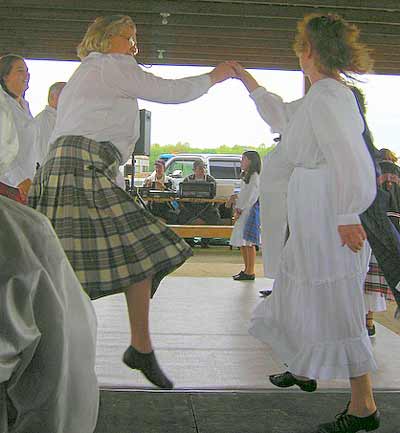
{"points": [[360, 97], [98, 34], [255, 165], [335, 44]]}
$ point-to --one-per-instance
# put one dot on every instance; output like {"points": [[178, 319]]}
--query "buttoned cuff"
{"points": [[347, 219]]}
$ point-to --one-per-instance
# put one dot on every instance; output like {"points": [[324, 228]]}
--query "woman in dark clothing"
{"points": [[377, 290]]}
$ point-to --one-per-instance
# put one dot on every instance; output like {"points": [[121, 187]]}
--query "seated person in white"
{"points": [[45, 121], [47, 323]]}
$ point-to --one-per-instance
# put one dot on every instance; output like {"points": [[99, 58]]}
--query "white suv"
{"points": [[225, 168]]}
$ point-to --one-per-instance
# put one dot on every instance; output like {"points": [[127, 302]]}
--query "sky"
{"points": [[226, 115]]}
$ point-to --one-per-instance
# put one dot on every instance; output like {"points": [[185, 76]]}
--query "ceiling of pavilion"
{"points": [[188, 32]]}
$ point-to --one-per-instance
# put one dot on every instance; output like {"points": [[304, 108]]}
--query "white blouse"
{"points": [[24, 165], [100, 100], [323, 128], [44, 124], [249, 193], [326, 127], [8, 133]]}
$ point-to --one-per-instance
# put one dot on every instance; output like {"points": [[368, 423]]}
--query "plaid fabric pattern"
{"points": [[375, 281], [251, 231], [384, 240], [12, 193], [110, 240]]}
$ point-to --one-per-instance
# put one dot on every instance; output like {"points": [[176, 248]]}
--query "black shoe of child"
{"points": [[371, 330], [245, 277], [238, 275]]}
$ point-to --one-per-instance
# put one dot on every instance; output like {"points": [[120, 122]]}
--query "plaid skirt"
{"points": [[110, 240], [251, 231], [375, 281]]}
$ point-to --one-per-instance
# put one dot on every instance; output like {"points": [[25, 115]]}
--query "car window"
{"points": [[225, 169], [185, 166]]}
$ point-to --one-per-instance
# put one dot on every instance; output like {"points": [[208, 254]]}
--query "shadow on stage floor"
{"points": [[231, 412]]}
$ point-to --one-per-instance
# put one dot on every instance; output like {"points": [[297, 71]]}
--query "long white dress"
{"points": [[319, 176], [247, 197], [47, 331]]}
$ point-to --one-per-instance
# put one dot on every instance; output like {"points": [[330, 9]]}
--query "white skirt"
{"points": [[315, 318], [375, 302], [236, 239]]}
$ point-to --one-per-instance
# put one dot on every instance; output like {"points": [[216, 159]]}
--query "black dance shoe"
{"points": [[371, 331], [244, 277], [346, 423], [264, 293], [148, 365], [238, 275], [284, 380]]}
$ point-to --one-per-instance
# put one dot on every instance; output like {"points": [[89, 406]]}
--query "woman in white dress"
{"points": [[246, 233], [314, 186]]}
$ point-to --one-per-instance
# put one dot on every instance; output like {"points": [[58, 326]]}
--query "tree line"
{"points": [[157, 150]]}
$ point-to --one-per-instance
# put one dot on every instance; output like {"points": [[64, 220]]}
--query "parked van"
{"points": [[225, 168]]}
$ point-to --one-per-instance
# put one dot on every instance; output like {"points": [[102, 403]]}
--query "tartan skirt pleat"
{"points": [[375, 281], [251, 231], [110, 240]]}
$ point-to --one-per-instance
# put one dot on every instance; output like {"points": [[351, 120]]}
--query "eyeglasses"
{"points": [[132, 44]]}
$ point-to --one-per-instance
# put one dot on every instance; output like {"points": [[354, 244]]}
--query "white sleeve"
{"points": [[250, 194], [273, 110], [338, 127], [131, 81], [8, 134], [41, 138]]}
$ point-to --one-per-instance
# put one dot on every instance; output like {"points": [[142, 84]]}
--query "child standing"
{"points": [[246, 233]]}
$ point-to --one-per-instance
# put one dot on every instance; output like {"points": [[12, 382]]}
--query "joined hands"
{"points": [[233, 69], [228, 69]]}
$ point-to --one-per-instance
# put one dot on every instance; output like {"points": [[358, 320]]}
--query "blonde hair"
{"points": [[388, 155], [98, 34], [335, 44]]}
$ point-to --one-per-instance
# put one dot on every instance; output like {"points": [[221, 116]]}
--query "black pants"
{"points": [[193, 211]]}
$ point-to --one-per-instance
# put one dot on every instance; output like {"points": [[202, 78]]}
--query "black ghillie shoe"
{"points": [[284, 380], [346, 423], [371, 331], [244, 277], [264, 293], [148, 365]]}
